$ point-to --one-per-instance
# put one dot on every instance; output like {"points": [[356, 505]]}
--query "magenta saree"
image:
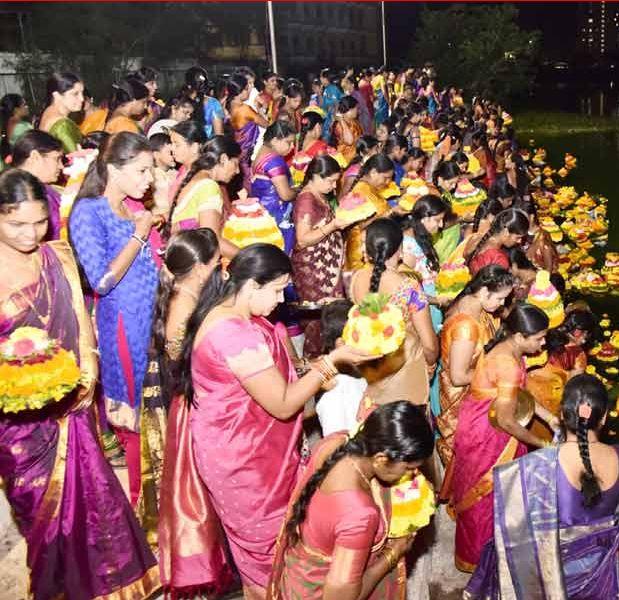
{"points": [[83, 539], [247, 459]]}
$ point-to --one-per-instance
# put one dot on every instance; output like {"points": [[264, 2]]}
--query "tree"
{"points": [[480, 48]]}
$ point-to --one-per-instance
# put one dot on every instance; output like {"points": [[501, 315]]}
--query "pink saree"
{"points": [[478, 449], [247, 459]]}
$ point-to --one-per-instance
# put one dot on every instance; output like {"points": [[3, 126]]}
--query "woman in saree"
{"points": [[346, 128], [334, 543], [540, 249], [65, 95], [349, 87], [245, 122], [176, 504], [309, 145], [111, 244], [445, 177], [246, 404], [365, 148], [481, 151], [318, 256], [14, 113], [556, 532], [375, 174], [198, 201], [418, 252], [469, 325], [381, 106], [271, 181], [331, 95], [188, 140], [395, 148], [126, 105], [54, 472], [507, 231], [290, 104], [405, 374], [41, 155], [488, 433]]}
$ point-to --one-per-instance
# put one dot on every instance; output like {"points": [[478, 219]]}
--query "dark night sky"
{"points": [[556, 20]]}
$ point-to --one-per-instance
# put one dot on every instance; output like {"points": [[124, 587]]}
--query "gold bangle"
{"points": [[328, 361]]}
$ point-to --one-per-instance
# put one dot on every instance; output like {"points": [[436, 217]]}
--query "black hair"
{"points": [[33, 140], [8, 104], [585, 390], [559, 282], [518, 258], [399, 430], [346, 103], [292, 89], [395, 141], [17, 186], [379, 162], [184, 251], [446, 169], [501, 188], [416, 153], [512, 219], [94, 140], [459, 157], [309, 120], [210, 156], [322, 165], [61, 83], [525, 319], [118, 150], [128, 90], [261, 263], [382, 240], [196, 79], [246, 71], [489, 207], [427, 206], [235, 85], [491, 277], [191, 131], [175, 102], [364, 144], [145, 74], [278, 130], [585, 320], [333, 317], [158, 141]]}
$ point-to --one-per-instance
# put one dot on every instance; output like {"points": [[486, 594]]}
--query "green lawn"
{"points": [[557, 122]]}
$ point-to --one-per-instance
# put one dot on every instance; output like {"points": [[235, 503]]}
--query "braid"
{"points": [[167, 227], [379, 267], [424, 239], [590, 487], [499, 336], [362, 173], [352, 447], [484, 238]]}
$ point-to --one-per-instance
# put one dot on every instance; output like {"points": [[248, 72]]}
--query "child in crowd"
{"points": [[164, 172]]}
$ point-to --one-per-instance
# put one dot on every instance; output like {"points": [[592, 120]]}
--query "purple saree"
{"points": [[534, 555], [82, 537]]}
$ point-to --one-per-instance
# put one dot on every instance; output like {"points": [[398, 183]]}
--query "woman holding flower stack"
{"points": [[55, 475]]}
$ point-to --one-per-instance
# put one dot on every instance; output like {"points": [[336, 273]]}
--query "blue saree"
{"points": [[534, 556]]}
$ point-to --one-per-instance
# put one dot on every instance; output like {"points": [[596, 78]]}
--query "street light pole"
{"points": [[382, 9], [272, 36]]}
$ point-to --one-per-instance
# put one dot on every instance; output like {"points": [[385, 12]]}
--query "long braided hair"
{"points": [[365, 144], [513, 220], [210, 156], [399, 430], [383, 239], [309, 120], [492, 277], [589, 391], [427, 206], [524, 318]]}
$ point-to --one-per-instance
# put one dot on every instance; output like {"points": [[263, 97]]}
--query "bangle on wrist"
{"points": [[390, 557], [137, 238]]}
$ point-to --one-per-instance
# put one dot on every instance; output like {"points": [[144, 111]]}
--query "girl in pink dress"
{"points": [[246, 404]]}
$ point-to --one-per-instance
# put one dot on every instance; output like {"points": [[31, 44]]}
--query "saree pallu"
{"points": [[56, 477], [331, 96], [67, 132], [546, 384], [541, 246], [246, 133], [263, 170], [478, 449], [192, 558], [534, 557], [300, 572]]}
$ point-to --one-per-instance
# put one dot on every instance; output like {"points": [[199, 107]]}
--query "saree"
{"points": [[490, 256], [541, 246], [246, 132], [67, 133], [203, 195], [478, 449], [536, 554], [317, 269], [55, 474], [348, 151], [331, 96], [381, 105], [263, 170], [457, 327], [301, 571], [247, 459], [355, 240], [122, 123]]}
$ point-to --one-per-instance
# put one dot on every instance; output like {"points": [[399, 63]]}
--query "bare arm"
{"points": [[284, 191], [212, 219], [422, 321], [505, 417], [460, 362]]}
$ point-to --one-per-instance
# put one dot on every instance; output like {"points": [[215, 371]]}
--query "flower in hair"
{"points": [[584, 411], [304, 121]]}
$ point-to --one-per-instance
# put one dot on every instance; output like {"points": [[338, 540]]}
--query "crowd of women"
{"points": [[205, 364]]}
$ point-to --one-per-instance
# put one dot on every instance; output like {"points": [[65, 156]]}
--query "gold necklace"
{"points": [[361, 473]]}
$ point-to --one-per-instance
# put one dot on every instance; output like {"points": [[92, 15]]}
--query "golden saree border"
{"points": [[140, 588], [52, 499], [87, 344], [485, 484]]}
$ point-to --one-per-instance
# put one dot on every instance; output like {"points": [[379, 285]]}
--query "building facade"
{"points": [[311, 35], [598, 28]]}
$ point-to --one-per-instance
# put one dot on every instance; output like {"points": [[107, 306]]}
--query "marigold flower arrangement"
{"points": [[34, 370], [412, 505]]}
